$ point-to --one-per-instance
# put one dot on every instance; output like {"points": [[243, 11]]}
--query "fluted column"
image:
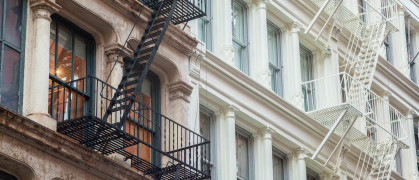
{"points": [[399, 41], [409, 160], [292, 67], [301, 170], [223, 40], [37, 104], [228, 166], [260, 47], [267, 152]]}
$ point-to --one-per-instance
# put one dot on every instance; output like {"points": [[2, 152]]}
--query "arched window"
{"points": [[6, 176], [71, 58], [11, 52]]}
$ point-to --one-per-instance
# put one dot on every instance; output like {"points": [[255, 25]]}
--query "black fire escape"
{"points": [[117, 120]]}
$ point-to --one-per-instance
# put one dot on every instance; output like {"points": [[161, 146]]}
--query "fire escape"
{"points": [[114, 120], [344, 102]]}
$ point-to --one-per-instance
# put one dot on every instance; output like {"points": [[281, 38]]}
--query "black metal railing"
{"points": [[145, 134]]}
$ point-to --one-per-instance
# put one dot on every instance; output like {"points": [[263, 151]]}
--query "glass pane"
{"points": [[10, 79], [76, 105], [272, 46], [238, 56], [278, 168], [204, 125], [304, 63], [80, 56], [52, 44], [242, 156], [64, 58], [273, 78], [238, 21], [13, 26], [1, 15], [201, 30]]}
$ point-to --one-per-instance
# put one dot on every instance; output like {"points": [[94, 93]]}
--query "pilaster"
{"points": [[229, 155], [115, 53], [38, 73], [409, 160], [223, 29], [399, 41], [301, 171], [260, 45]]}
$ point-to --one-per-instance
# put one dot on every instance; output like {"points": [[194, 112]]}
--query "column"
{"points": [[228, 166], [301, 171], [327, 176], [39, 74], [223, 30], [292, 68], [399, 41], [409, 160], [267, 153], [260, 45]]}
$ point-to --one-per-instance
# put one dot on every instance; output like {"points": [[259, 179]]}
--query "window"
{"points": [[206, 128], [389, 49], [5, 176], [416, 141], [362, 9], [205, 26], [240, 36], [411, 53], [274, 55], [12, 22], [312, 175], [71, 58], [278, 161], [242, 154], [306, 64]]}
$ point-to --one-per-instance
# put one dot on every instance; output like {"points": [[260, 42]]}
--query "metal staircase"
{"points": [[113, 120], [355, 113]]}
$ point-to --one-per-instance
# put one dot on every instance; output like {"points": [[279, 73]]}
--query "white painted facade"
{"points": [[196, 78]]}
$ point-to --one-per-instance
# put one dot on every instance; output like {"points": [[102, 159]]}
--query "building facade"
{"points": [[253, 89]]}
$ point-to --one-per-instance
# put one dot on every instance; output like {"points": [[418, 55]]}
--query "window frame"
{"points": [[213, 147], [21, 51], [244, 133], [313, 173], [308, 92], [277, 68], [90, 61], [388, 43], [8, 176], [207, 20], [244, 66], [283, 156]]}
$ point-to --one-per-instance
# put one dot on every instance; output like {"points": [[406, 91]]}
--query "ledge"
{"points": [[61, 147]]}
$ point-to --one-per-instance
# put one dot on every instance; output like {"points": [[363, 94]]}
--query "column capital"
{"points": [[294, 27], [410, 113], [229, 110], [180, 90], [300, 153], [112, 51], [44, 8], [386, 95]]}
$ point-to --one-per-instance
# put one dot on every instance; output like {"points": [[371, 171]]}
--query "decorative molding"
{"points": [[229, 111], [114, 50], [180, 90], [44, 8], [265, 77], [294, 27], [228, 54], [336, 30], [266, 132], [195, 65]]}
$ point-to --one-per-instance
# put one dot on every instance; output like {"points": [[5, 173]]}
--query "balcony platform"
{"points": [[97, 134]]}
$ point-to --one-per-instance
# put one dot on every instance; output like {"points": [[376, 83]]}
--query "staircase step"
{"points": [[149, 42], [148, 50], [118, 108], [157, 27], [127, 91], [131, 75], [153, 35], [157, 21]]}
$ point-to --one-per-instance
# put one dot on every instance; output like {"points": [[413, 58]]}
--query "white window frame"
{"points": [[246, 134], [283, 156], [277, 77], [207, 20], [244, 66], [213, 148]]}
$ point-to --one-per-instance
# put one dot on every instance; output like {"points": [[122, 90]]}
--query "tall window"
{"points": [[362, 9], [411, 54], [274, 55], [205, 26], [389, 49], [240, 36], [278, 159], [306, 63], [6, 176], [242, 154], [206, 128], [71, 58], [11, 52]]}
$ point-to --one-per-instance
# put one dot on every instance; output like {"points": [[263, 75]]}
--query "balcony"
{"points": [[153, 144], [185, 11], [378, 122]]}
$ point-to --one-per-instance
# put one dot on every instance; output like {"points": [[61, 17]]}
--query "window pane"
{"points": [[1, 15], [64, 58], [80, 56], [278, 168], [242, 156], [52, 45], [10, 79], [273, 78], [201, 30], [272, 46], [238, 21], [304, 63], [13, 26], [238, 51]]}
